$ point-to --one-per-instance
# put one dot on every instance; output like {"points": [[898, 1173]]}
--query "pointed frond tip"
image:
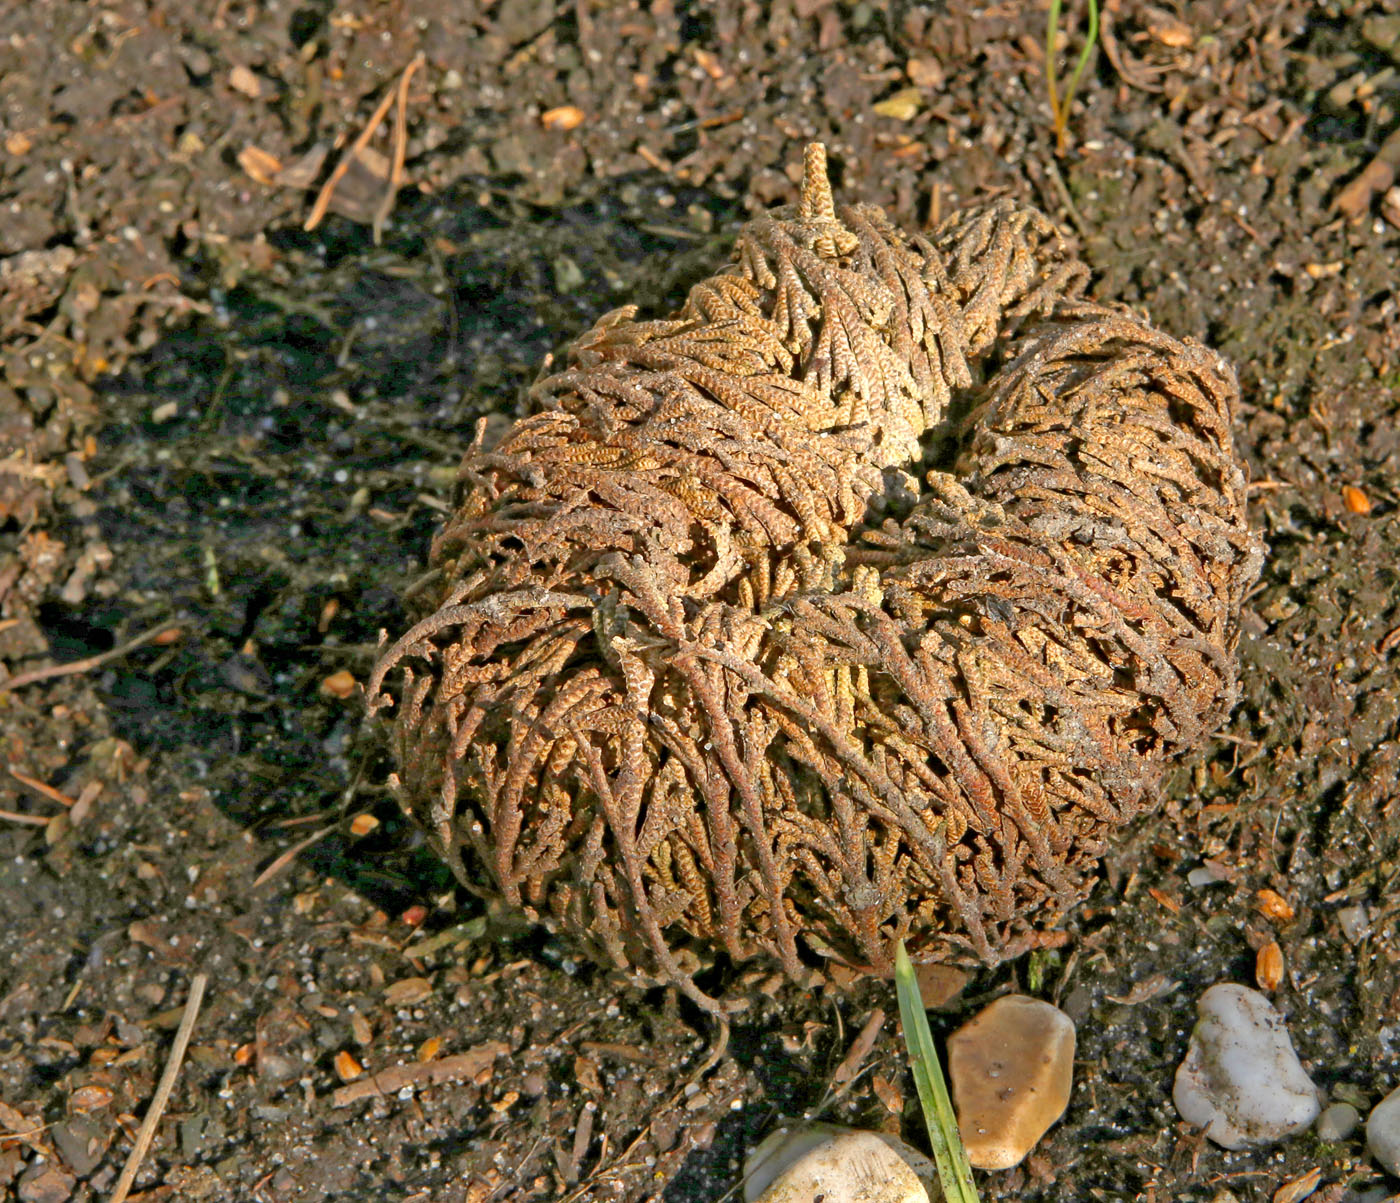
{"points": [[817, 208]]}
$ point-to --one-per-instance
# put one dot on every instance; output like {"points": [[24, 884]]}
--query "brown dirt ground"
{"points": [[212, 419]]}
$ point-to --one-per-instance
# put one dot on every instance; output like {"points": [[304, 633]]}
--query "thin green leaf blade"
{"points": [[949, 1155]]}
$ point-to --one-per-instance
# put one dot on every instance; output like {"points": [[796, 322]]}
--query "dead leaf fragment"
{"points": [[1298, 1188], [940, 985], [258, 165], [890, 1095], [565, 117], [902, 106]]}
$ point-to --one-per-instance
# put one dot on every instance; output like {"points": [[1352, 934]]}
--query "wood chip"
{"points": [[1273, 905], [347, 1069], [565, 117], [257, 164], [240, 79], [1355, 500], [1268, 966]]}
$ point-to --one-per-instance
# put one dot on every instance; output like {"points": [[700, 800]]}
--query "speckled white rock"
{"points": [[1011, 1067], [1383, 1132], [1241, 1078], [814, 1162]]}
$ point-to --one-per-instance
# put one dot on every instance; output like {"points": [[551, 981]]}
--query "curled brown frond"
{"points": [[709, 669]]}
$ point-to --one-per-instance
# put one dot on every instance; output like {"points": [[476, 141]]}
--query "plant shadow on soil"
{"points": [[284, 461]]}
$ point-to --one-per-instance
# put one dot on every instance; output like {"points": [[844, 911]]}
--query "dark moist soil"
{"points": [[215, 421]]}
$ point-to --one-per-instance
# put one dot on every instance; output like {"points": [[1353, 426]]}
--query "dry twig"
{"points": [[73, 667], [163, 1089], [323, 198]]}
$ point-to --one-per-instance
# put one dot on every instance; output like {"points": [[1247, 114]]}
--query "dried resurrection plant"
{"points": [[708, 669]]}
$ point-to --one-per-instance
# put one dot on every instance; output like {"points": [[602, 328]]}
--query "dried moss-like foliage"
{"points": [[688, 684]]}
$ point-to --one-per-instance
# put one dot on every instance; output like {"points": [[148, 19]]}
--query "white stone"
{"points": [[1383, 1132], [1011, 1067], [812, 1162], [1241, 1078]]}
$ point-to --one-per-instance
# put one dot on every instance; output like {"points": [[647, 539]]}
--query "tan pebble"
{"points": [[1011, 1067], [565, 117]]}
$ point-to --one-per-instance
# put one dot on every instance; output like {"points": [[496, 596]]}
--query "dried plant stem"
{"points": [[323, 198], [163, 1089], [73, 667]]}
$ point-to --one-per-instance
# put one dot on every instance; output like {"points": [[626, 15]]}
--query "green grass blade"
{"points": [[1089, 39], [949, 1156], [1059, 105]]}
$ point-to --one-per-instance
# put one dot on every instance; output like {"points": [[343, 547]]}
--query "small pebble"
{"points": [[1337, 1122], [1355, 922], [1383, 1132], [814, 1162], [1241, 1078], [1011, 1068]]}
